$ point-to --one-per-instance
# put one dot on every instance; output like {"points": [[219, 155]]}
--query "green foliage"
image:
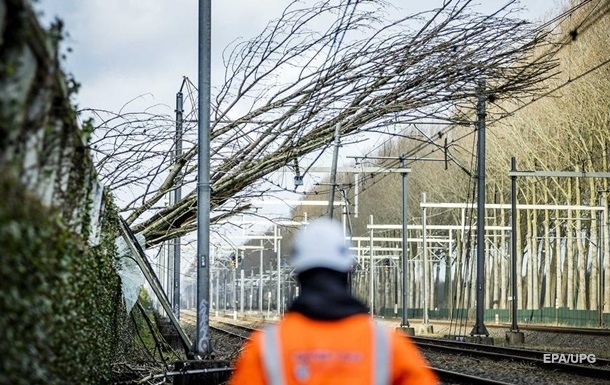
{"points": [[59, 299], [87, 128]]}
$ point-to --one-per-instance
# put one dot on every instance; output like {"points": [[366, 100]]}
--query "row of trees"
{"points": [[563, 251]]}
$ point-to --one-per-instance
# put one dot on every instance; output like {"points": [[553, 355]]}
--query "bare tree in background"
{"points": [[336, 61]]}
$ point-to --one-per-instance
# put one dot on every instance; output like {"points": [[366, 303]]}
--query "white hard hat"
{"points": [[321, 244]]}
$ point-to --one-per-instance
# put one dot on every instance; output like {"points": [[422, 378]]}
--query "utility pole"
{"points": [[333, 172], [425, 259], [203, 346], [371, 271], [278, 253], [404, 324], [177, 197], [260, 282], [513, 335], [479, 326], [513, 244]]}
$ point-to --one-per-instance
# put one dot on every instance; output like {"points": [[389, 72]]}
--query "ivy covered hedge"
{"points": [[61, 318]]}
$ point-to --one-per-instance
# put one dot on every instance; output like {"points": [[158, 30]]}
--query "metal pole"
{"points": [[600, 268], [279, 269], [234, 290], [163, 270], [177, 197], [225, 292], [203, 346], [513, 244], [356, 194], [403, 175], [395, 268], [217, 307], [425, 260], [260, 282], [479, 327], [371, 272], [169, 246], [251, 291], [149, 274], [242, 280], [333, 172], [606, 256]]}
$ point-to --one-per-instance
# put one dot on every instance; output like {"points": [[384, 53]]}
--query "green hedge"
{"points": [[61, 318]]}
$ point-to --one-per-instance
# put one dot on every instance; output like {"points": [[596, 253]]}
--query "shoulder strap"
{"points": [[272, 357], [381, 355]]}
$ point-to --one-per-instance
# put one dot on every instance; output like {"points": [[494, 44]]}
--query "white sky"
{"points": [[126, 48]]}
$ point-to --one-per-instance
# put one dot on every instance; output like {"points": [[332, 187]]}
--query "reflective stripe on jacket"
{"points": [[353, 350]]}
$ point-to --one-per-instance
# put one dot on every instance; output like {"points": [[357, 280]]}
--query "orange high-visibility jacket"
{"points": [[353, 350]]}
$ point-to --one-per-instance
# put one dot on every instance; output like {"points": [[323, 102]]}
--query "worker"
{"points": [[327, 335]]}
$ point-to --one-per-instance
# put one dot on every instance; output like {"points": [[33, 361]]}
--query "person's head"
{"points": [[321, 244]]}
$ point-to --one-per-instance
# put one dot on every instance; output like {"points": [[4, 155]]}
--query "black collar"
{"points": [[325, 296]]}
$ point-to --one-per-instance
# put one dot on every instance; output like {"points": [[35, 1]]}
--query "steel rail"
{"points": [[501, 353], [462, 378], [530, 353]]}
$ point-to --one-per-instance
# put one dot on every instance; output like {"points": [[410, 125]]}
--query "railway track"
{"points": [[232, 329], [508, 352], [447, 376], [453, 377], [598, 369]]}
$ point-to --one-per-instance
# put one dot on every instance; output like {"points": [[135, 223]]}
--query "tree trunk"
{"points": [[548, 254], [473, 276], [570, 253], [535, 255], [433, 276], [559, 272], [606, 239], [594, 243], [498, 257], [413, 284], [420, 285], [448, 287], [519, 252], [504, 274], [458, 282], [530, 261], [581, 303]]}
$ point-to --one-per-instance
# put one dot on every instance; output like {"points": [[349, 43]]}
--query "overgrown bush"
{"points": [[61, 318]]}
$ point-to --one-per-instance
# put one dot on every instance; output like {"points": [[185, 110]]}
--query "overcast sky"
{"points": [[125, 48]]}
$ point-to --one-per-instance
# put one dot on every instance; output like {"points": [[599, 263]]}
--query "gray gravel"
{"points": [[552, 342], [517, 372], [510, 372]]}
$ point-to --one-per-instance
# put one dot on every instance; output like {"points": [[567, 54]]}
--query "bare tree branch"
{"points": [[281, 98]]}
